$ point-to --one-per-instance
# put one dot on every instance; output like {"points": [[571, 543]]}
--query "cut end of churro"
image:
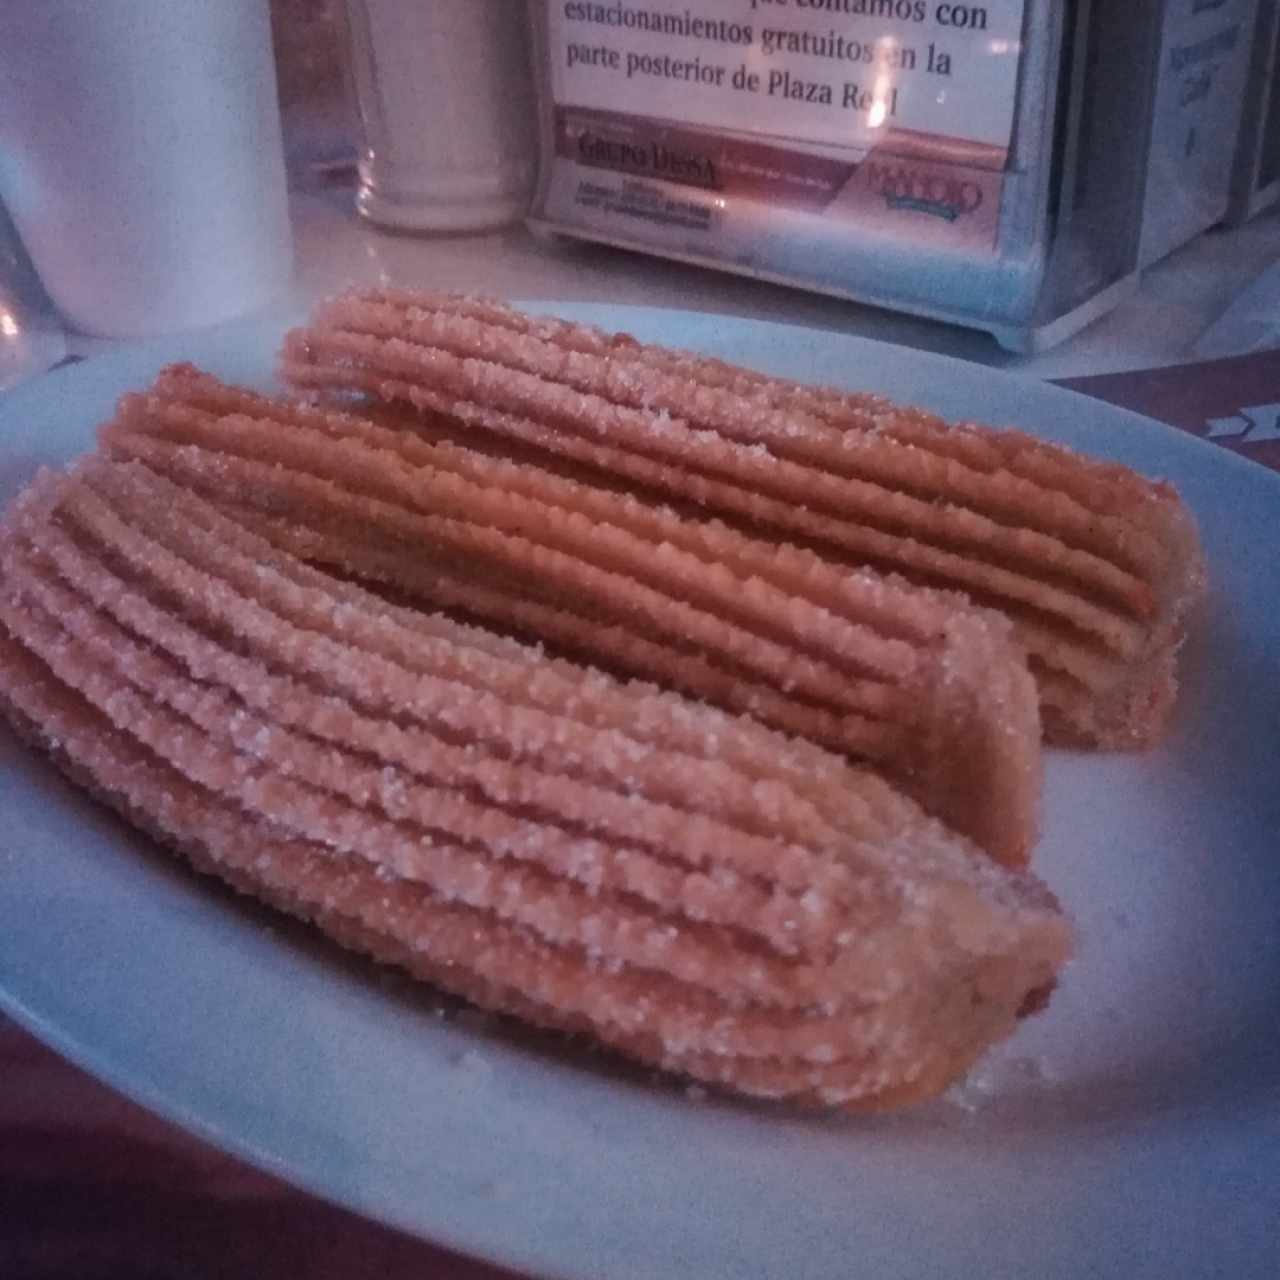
{"points": [[682, 884], [978, 765]]}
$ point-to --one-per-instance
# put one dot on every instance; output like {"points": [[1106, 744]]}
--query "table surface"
{"points": [[90, 1184], [1177, 300]]}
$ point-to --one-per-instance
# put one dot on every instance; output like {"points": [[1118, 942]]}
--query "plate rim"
{"points": [[139, 356]]}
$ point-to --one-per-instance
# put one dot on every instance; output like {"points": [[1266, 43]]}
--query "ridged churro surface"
{"points": [[928, 689], [1095, 566], [682, 884]]}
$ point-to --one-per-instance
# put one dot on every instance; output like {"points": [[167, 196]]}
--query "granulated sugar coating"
{"points": [[677, 882], [1095, 567]]}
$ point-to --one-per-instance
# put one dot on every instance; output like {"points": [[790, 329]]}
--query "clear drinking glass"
{"points": [[444, 92], [31, 336]]}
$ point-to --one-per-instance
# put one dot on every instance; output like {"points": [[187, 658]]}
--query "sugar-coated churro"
{"points": [[685, 885], [928, 689], [1095, 566]]}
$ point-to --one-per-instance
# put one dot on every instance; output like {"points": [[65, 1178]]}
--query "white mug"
{"points": [[141, 159]]}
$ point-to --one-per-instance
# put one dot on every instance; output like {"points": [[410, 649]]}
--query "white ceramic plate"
{"points": [[1132, 1129]]}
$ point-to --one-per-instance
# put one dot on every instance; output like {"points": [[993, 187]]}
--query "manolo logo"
{"points": [[923, 191]]}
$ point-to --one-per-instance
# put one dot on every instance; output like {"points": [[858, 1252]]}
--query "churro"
{"points": [[684, 885], [1095, 566], [926, 688]]}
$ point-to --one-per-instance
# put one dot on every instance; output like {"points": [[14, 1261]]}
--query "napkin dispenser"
{"points": [[1255, 182], [1197, 110], [982, 164]]}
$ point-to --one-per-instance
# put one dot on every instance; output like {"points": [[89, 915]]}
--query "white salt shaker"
{"points": [[141, 160], [444, 92]]}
